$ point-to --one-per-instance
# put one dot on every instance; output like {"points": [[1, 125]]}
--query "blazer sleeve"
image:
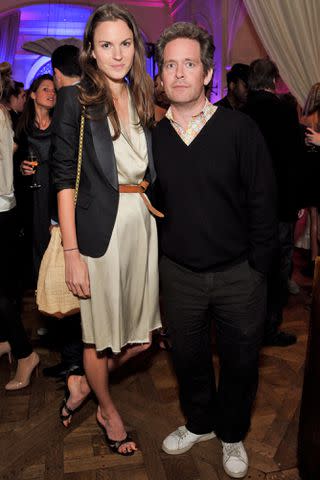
{"points": [[65, 138]]}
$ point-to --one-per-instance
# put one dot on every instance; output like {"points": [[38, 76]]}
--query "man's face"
{"points": [[18, 103], [240, 91], [183, 75]]}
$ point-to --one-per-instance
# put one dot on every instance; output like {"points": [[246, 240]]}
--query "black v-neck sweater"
{"points": [[218, 194]]}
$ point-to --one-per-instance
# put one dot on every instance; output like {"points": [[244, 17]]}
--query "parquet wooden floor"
{"points": [[34, 445]]}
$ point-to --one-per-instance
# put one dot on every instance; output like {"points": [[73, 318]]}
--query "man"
{"points": [[66, 71], [279, 125], [17, 102], [65, 66], [237, 84], [217, 238]]}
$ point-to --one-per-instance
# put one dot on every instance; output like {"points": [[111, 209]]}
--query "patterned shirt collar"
{"points": [[196, 124]]}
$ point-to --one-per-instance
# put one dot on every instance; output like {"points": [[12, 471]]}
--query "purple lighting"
{"points": [[54, 20]]}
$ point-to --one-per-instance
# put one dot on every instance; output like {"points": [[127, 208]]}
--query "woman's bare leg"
{"points": [[130, 352], [78, 390], [97, 373]]}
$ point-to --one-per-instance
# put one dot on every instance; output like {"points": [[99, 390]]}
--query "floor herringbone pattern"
{"points": [[34, 445]]}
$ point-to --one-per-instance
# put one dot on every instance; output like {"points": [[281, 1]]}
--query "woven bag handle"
{"points": [[80, 151]]}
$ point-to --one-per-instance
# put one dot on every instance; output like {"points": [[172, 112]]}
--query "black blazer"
{"points": [[98, 196]]}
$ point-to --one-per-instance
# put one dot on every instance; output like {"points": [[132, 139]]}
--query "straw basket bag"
{"points": [[52, 295]]}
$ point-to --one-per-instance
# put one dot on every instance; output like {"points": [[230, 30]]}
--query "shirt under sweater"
{"points": [[217, 194]]}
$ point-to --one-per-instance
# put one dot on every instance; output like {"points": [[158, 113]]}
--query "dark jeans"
{"points": [[277, 281], [236, 300], [11, 328]]}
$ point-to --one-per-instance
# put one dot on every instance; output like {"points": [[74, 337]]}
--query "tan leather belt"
{"points": [[141, 188]]}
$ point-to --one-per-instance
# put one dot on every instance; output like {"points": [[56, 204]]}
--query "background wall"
{"points": [[234, 35]]}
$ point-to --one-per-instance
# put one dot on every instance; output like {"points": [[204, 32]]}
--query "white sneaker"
{"points": [[235, 459], [181, 440], [293, 287]]}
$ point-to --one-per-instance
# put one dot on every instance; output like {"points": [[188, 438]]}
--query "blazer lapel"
{"points": [[151, 168], [103, 146]]}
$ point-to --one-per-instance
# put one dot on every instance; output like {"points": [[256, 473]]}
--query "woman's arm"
{"points": [[65, 140], [77, 276]]}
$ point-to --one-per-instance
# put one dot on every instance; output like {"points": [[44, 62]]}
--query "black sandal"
{"points": [[114, 445], [70, 412]]}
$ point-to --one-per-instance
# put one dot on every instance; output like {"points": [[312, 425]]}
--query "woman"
{"points": [[311, 120], [110, 242], [13, 337], [34, 136]]}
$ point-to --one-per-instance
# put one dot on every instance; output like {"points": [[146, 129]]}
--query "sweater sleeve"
{"points": [[65, 139], [258, 179]]}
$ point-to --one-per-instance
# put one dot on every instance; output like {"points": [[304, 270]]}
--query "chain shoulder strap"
{"points": [[80, 152]]}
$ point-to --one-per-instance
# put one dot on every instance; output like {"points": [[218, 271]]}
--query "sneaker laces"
{"points": [[182, 432], [232, 450]]}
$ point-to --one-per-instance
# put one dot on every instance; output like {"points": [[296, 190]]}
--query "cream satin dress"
{"points": [[124, 304]]}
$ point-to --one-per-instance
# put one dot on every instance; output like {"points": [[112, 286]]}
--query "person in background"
{"points": [[313, 137], [160, 96], [66, 72], [34, 137], [13, 338], [218, 237], [110, 238], [17, 102], [237, 84], [311, 121], [161, 101], [291, 104], [279, 125]]}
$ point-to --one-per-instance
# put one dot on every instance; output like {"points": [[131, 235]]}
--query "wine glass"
{"points": [[33, 159]]}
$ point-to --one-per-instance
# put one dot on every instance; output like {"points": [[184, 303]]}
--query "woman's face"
{"points": [[45, 95], [113, 49]]}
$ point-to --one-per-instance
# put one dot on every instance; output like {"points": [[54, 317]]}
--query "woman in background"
{"points": [[13, 338], [34, 137]]}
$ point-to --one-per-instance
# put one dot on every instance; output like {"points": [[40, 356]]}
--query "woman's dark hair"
{"points": [[312, 104], [94, 89], [27, 120], [262, 74], [193, 32]]}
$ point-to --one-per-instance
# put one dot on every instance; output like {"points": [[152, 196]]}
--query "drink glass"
{"points": [[33, 159]]}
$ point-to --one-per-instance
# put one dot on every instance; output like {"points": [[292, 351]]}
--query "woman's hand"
{"points": [[26, 168], [313, 137], [77, 275]]}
